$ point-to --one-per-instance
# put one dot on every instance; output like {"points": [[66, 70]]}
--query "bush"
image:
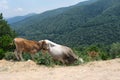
{"points": [[26, 56], [6, 36], [45, 59], [104, 56], [100, 49], [1, 53], [81, 54], [9, 56], [115, 50]]}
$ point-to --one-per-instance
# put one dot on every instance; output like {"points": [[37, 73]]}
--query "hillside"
{"points": [[94, 21], [97, 70], [18, 18]]}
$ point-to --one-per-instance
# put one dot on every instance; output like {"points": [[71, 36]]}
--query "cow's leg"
{"points": [[66, 61], [16, 54], [21, 57], [32, 56], [61, 60]]}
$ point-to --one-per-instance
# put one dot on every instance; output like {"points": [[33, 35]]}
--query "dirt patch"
{"points": [[29, 70]]}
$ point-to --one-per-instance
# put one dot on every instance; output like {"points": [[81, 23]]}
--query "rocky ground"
{"points": [[29, 70]]}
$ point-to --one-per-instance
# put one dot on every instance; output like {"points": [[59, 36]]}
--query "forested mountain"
{"points": [[93, 21], [18, 18]]}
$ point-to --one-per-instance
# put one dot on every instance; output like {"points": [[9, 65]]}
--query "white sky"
{"points": [[11, 8]]}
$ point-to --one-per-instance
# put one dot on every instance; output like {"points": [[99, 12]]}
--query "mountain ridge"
{"points": [[77, 25]]}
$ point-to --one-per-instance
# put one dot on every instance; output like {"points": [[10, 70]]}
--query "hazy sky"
{"points": [[11, 8]]}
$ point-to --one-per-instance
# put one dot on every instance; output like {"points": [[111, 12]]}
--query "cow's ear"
{"points": [[43, 42]]}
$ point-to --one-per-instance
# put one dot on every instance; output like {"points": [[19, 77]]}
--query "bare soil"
{"points": [[29, 70]]}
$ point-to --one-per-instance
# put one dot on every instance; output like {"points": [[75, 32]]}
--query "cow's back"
{"points": [[26, 45]]}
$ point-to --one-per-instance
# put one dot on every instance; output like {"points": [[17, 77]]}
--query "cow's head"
{"points": [[44, 46]]}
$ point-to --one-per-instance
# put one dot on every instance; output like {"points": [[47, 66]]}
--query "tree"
{"points": [[6, 36]]}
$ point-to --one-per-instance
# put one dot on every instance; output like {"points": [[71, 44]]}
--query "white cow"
{"points": [[61, 53]]}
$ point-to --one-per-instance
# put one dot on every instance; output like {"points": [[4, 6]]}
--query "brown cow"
{"points": [[24, 45]]}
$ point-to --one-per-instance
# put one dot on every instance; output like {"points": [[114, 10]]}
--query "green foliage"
{"points": [[1, 53], [9, 56], [6, 37], [101, 49], [93, 48], [115, 50], [5, 28], [44, 59], [5, 41], [104, 56], [26, 56]]}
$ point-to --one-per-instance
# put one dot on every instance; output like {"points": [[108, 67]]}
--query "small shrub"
{"points": [[115, 50], [44, 59], [82, 54], [26, 56], [9, 56], [104, 56]]}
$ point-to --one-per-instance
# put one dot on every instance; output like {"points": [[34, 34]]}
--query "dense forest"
{"points": [[93, 21], [18, 18]]}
